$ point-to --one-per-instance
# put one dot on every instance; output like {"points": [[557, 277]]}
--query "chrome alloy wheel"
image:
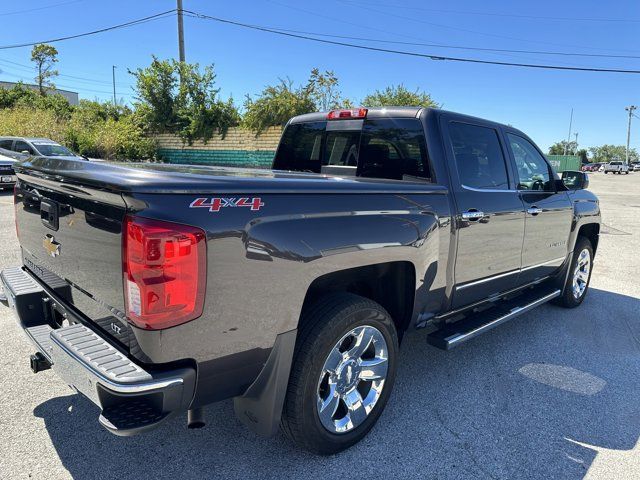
{"points": [[352, 379], [581, 273]]}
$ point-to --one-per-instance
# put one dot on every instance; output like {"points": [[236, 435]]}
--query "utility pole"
{"points": [[629, 109], [180, 31], [575, 148], [566, 146], [113, 76]]}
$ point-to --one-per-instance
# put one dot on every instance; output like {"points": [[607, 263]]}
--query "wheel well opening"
{"points": [[592, 232], [392, 285]]}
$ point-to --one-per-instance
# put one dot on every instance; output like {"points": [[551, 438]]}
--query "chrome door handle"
{"points": [[534, 210], [472, 215]]}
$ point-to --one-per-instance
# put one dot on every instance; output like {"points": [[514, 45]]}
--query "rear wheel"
{"points": [[343, 371], [577, 284]]}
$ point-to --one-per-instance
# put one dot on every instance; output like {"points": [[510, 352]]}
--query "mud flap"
{"points": [[260, 407]]}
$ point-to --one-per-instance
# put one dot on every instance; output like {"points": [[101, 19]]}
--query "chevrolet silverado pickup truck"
{"points": [[616, 167], [154, 289]]}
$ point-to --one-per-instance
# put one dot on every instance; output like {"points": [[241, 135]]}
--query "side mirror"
{"points": [[575, 180]]}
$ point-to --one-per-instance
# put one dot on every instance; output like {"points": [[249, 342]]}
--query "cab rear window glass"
{"points": [[300, 147], [382, 148], [393, 148]]}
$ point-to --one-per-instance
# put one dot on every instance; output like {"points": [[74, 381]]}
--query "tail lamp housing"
{"points": [[165, 272]]}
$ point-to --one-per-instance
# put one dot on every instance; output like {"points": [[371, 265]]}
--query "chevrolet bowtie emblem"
{"points": [[51, 246]]}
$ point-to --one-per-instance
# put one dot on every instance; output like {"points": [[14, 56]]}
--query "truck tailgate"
{"points": [[71, 239]]}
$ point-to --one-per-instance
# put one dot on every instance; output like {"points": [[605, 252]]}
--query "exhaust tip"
{"points": [[39, 362], [195, 418]]}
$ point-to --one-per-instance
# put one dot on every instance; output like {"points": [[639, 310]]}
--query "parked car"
{"points": [[592, 167], [157, 289], [37, 146], [7, 175], [617, 167], [635, 166]]}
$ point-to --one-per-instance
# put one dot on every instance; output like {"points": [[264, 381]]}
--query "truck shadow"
{"points": [[537, 397]]}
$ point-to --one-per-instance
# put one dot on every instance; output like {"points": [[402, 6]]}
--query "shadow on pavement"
{"points": [[510, 404]]}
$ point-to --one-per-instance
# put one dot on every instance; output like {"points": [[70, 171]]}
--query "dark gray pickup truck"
{"points": [[155, 289]]}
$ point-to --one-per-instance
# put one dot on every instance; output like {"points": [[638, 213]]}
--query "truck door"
{"points": [[490, 213], [549, 211]]}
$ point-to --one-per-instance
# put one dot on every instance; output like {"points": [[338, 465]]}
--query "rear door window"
{"points": [[6, 144], [479, 158], [22, 146]]}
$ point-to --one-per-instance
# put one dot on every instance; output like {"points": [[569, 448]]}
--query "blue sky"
{"points": [[537, 101]]}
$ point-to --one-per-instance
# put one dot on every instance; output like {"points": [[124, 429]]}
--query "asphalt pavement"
{"points": [[552, 394]]}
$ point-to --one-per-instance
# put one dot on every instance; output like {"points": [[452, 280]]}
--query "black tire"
{"points": [[568, 299], [323, 325]]}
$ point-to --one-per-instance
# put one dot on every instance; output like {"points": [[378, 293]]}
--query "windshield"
{"points": [[53, 150]]}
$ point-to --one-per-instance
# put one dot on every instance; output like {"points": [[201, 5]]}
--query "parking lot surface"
{"points": [[552, 394]]}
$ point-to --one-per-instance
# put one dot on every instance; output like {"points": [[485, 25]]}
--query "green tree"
{"points": [[582, 153], [608, 153], [276, 104], [558, 148], [44, 56], [399, 96], [178, 98], [323, 90]]}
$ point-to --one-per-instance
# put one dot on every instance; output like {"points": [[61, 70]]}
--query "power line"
{"points": [[407, 53], [493, 14], [67, 87], [460, 47], [37, 9], [94, 32], [476, 32], [369, 27], [74, 77]]}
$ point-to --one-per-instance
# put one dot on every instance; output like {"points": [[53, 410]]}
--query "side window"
{"points": [[22, 146], [393, 148], [6, 144], [533, 169], [479, 156]]}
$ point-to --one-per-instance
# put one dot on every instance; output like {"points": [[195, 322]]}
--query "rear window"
{"points": [[384, 148]]}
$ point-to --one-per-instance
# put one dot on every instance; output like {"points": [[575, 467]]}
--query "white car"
{"points": [[617, 167]]}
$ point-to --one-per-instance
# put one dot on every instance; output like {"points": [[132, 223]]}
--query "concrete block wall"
{"points": [[239, 148]]}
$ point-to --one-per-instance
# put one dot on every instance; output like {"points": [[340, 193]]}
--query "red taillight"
{"points": [[165, 272], [349, 113]]}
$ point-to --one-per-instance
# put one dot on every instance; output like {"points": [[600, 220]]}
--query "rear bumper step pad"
{"points": [[132, 398]]}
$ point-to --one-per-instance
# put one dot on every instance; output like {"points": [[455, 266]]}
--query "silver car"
{"points": [[37, 146]]}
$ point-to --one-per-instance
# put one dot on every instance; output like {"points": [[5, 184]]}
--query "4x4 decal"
{"points": [[216, 203]]}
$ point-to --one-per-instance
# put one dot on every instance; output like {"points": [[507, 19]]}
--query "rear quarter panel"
{"points": [[261, 264]]}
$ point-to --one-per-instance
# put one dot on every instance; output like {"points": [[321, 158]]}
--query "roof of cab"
{"points": [[407, 112], [28, 139], [375, 112]]}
